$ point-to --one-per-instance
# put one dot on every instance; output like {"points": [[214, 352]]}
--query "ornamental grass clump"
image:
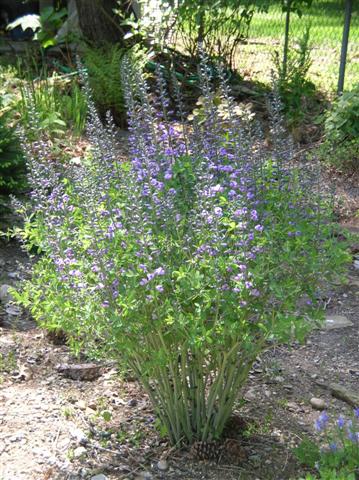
{"points": [[183, 260]]}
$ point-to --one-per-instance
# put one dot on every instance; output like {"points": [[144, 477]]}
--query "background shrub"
{"points": [[103, 66], [12, 164], [59, 105], [341, 133], [342, 122]]}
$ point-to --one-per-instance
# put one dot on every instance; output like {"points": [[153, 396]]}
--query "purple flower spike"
{"points": [[321, 422], [341, 422]]}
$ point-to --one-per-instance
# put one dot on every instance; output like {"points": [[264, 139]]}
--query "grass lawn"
{"points": [[325, 19]]}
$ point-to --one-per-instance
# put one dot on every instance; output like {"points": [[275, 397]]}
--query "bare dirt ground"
{"points": [[54, 428]]}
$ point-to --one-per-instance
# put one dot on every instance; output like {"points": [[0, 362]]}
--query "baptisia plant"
{"points": [[184, 259]]}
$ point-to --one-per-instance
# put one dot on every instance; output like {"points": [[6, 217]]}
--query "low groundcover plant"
{"points": [[338, 456], [184, 260]]}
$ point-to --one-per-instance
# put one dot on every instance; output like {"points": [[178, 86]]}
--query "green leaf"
{"points": [[106, 415]]}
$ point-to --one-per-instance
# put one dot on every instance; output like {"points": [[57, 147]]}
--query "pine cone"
{"points": [[207, 451], [233, 451], [229, 451]]}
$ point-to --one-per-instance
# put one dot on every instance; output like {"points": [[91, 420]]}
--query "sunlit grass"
{"points": [[325, 20]]}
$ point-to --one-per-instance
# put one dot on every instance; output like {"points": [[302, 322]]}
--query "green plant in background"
{"points": [[59, 104], [12, 162], [218, 25], [73, 108], [296, 91], [341, 133], [342, 121], [343, 156], [103, 66], [338, 456]]}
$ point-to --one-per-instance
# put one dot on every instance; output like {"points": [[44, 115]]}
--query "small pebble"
{"points": [[162, 465], [144, 476], [132, 402], [317, 403], [79, 452]]}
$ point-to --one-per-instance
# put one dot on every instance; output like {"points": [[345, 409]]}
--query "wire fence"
{"points": [[325, 20]]}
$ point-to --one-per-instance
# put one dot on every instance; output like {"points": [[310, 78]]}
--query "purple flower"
{"points": [[321, 422], [218, 211], [160, 271], [341, 422], [159, 288], [356, 412]]}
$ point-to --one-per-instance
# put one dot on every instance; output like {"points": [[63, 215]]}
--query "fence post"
{"points": [[286, 39], [343, 55]]}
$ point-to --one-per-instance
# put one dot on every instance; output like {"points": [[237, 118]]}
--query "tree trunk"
{"points": [[98, 22]]}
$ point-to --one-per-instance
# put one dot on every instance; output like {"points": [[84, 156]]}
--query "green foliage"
{"points": [[297, 6], [331, 475], [103, 66], [342, 121], [343, 156], [295, 90], [59, 104], [12, 164], [341, 133], [307, 452], [51, 20], [8, 362], [219, 25]]}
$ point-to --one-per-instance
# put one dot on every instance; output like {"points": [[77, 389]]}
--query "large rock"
{"points": [[337, 321], [85, 371], [318, 403]]}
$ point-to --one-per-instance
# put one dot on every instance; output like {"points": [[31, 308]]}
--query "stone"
{"points": [[356, 264], [25, 373], [81, 404], [86, 371], [162, 465], [318, 403], [13, 310], [5, 296], [132, 402], [13, 275], [250, 395], [354, 282], [79, 452], [79, 435], [337, 321], [144, 476], [100, 476], [292, 407]]}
